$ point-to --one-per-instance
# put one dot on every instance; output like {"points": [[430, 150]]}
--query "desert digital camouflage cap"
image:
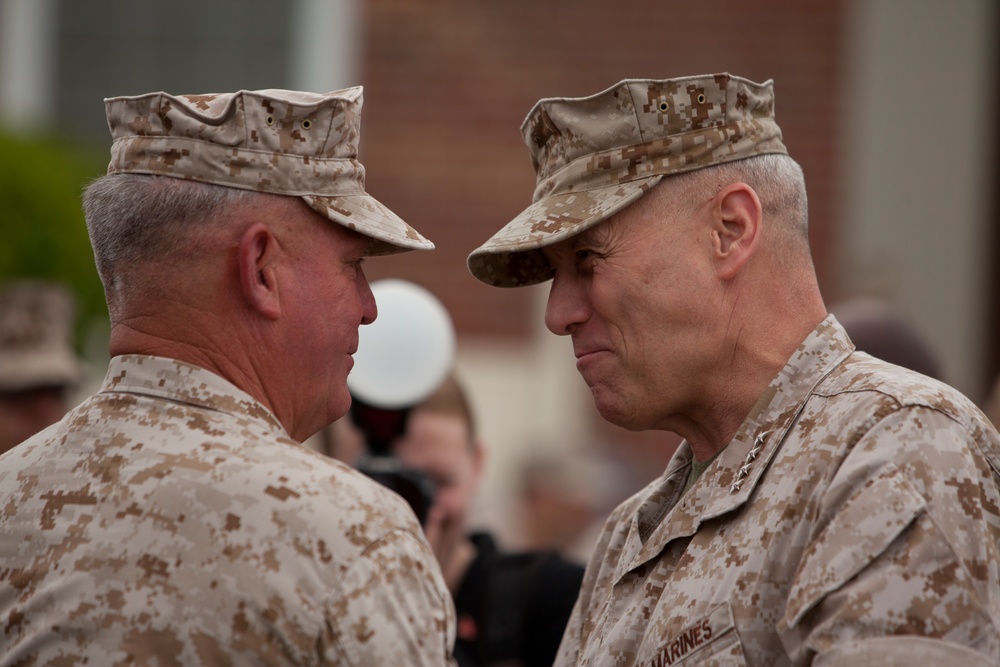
{"points": [[593, 156], [36, 330], [278, 141]]}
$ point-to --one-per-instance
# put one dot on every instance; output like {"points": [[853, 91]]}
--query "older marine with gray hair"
{"points": [[825, 508], [174, 517]]}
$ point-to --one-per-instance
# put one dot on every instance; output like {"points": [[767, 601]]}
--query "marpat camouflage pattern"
{"points": [[171, 515], [279, 141], [853, 520], [36, 336], [593, 156]]}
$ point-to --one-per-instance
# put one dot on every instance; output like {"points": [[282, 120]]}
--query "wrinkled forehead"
{"points": [[658, 200], [302, 223], [595, 236]]}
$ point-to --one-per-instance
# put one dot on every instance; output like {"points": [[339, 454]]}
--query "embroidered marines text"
{"points": [[689, 640]]}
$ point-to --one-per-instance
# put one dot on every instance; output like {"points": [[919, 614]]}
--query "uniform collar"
{"points": [[181, 382], [731, 479]]}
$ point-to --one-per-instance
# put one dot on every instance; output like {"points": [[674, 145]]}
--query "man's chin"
{"points": [[614, 411]]}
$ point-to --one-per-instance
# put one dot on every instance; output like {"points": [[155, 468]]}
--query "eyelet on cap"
{"points": [[269, 120], [664, 107], [701, 98], [306, 124]]}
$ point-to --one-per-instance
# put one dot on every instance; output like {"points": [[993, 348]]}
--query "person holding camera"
{"points": [[511, 607], [412, 427]]}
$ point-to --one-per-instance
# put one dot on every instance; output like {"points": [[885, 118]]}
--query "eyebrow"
{"points": [[591, 237]]}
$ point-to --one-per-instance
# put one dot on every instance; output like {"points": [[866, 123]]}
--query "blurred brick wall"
{"points": [[448, 82]]}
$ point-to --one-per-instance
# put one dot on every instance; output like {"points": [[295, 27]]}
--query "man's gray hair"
{"points": [[134, 219], [777, 179]]}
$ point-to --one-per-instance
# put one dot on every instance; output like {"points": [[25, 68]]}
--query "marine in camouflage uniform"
{"points": [[174, 518], [39, 368], [849, 514]]}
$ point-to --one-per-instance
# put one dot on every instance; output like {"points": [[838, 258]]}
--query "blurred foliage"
{"points": [[42, 230]]}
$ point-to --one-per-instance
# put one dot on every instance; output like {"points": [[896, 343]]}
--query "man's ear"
{"points": [[735, 228], [258, 275]]}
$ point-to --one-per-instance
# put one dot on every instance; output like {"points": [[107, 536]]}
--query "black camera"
{"points": [[380, 427]]}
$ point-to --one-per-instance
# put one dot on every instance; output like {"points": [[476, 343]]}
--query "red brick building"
{"points": [[889, 105]]}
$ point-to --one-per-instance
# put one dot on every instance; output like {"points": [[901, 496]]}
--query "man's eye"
{"points": [[585, 256]]}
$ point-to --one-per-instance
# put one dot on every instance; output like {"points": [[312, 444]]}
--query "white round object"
{"points": [[405, 354]]}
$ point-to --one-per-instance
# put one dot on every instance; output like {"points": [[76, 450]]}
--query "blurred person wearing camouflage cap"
{"points": [[825, 507], [174, 515], [38, 366]]}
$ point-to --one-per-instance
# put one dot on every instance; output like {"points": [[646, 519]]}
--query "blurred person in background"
{"points": [[566, 496], [825, 507], [174, 517], [874, 327], [39, 368], [512, 607]]}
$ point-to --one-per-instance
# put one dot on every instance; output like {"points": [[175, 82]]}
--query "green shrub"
{"points": [[42, 231]]}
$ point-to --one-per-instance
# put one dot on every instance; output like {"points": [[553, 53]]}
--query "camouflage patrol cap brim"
{"points": [[39, 368], [277, 141], [36, 328], [594, 156]]}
